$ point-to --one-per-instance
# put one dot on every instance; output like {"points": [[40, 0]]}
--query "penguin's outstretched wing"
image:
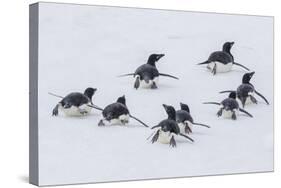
{"points": [[138, 120], [168, 75], [186, 137], [205, 62], [241, 66], [227, 91], [216, 103], [155, 126], [244, 111], [200, 124], [55, 95], [95, 107], [129, 74], [259, 94]]}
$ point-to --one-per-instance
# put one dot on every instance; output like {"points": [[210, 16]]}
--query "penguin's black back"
{"points": [[147, 70], [230, 103], [244, 89], [221, 56], [75, 99], [182, 115], [113, 111], [171, 125]]}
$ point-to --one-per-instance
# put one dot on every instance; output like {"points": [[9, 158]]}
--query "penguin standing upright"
{"points": [[229, 107], [117, 113], [246, 91], [185, 120], [222, 61], [147, 75], [168, 129], [76, 104]]}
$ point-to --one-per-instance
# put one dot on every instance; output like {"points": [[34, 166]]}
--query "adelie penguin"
{"points": [[229, 107], [76, 103], [117, 114], [221, 61], [168, 129], [147, 75], [185, 120], [246, 91]]}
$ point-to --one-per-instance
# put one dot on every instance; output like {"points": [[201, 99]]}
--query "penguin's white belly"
{"points": [[220, 67], [144, 84], [164, 137], [228, 113], [123, 118], [248, 100], [75, 111], [182, 126]]}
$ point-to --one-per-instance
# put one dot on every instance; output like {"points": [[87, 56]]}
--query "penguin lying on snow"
{"points": [[222, 61], [117, 113], [185, 120], [168, 128], [246, 91], [147, 74], [229, 107], [75, 104]]}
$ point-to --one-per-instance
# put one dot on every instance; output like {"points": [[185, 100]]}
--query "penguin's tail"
{"points": [[203, 63], [241, 66], [129, 74]]}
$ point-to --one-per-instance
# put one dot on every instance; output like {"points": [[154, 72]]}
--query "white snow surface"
{"points": [[88, 46]]}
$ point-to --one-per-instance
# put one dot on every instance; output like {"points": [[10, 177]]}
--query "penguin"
{"points": [[168, 129], [75, 103], [117, 114], [221, 61], [246, 91], [229, 107], [185, 120], [147, 75]]}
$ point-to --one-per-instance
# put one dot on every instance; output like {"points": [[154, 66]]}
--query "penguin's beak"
{"points": [[165, 106], [252, 73], [160, 56], [232, 43]]}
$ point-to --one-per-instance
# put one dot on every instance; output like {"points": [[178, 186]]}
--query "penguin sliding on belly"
{"points": [[185, 120], [246, 91], [147, 75], [229, 107], [75, 104], [168, 129], [117, 114], [222, 61]]}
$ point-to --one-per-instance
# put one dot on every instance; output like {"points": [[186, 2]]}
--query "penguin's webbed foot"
{"points": [[187, 129], [154, 86], [155, 137], [173, 142], [101, 123], [55, 111]]}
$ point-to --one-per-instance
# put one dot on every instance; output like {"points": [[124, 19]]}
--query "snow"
{"points": [[88, 46]]}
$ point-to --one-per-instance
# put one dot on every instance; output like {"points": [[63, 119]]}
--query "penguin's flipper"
{"points": [[168, 75], [203, 63], [154, 86], [186, 137], [101, 123], [200, 124], [155, 137], [155, 126], [259, 94], [137, 83], [55, 110], [219, 113], [95, 107], [216, 103], [253, 99], [129, 74], [173, 142], [187, 129], [214, 71], [243, 101], [227, 91], [138, 120], [234, 117], [244, 111], [241, 66]]}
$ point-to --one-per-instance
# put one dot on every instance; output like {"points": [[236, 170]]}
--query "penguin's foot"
{"points": [[124, 122], [253, 99], [155, 137], [219, 113], [56, 110], [187, 129], [234, 117], [173, 142], [154, 86], [101, 123], [137, 83]]}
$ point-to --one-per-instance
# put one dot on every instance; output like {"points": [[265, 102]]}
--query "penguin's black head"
{"points": [[184, 107], [166, 128], [247, 77], [232, 95], [170, 111], [89, 92], [122, 100], [227, 46], [154, 58]]}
